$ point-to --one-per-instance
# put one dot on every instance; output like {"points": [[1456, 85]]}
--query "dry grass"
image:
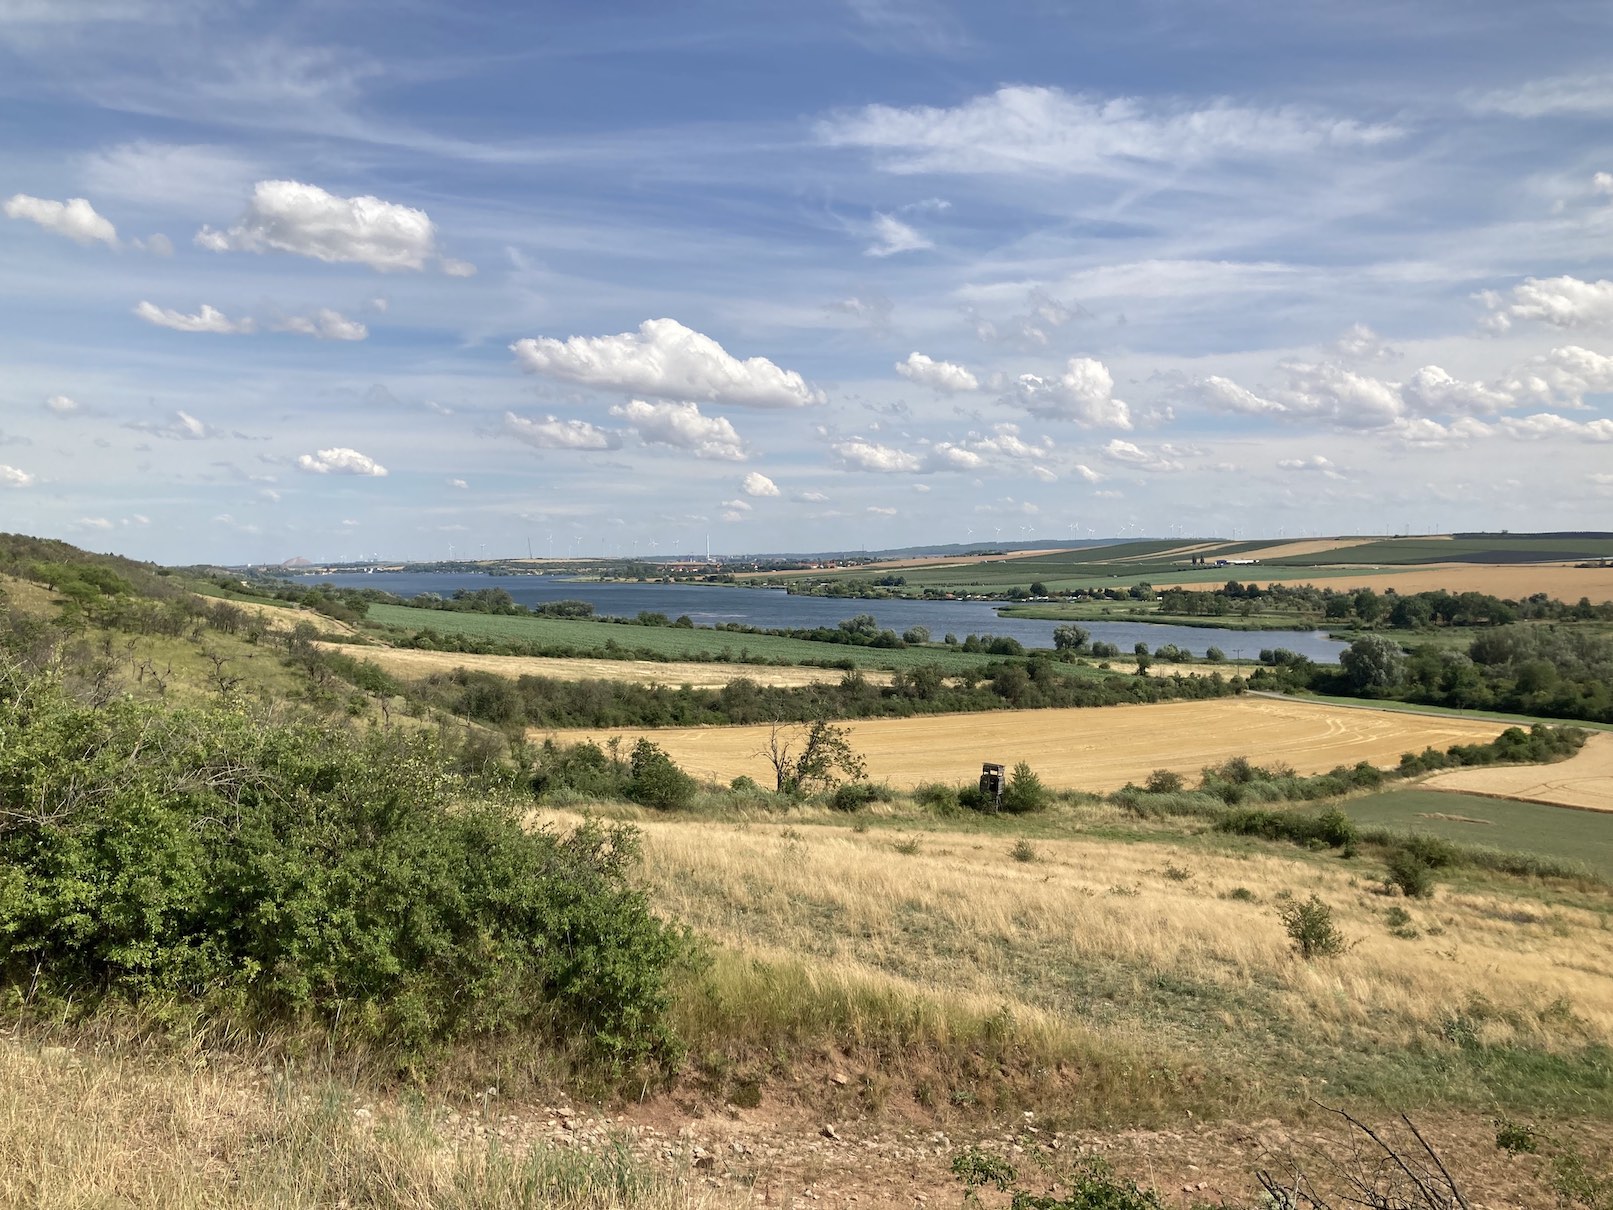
{"points": [[1105, 960], [1585, 780], [113, 1125], [1094, 750], [407, 662]]}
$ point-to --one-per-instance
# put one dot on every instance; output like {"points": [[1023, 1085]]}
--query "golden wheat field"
{"points": [[407, 662], [1584, 781], [1086, 749], [1512, 581]]}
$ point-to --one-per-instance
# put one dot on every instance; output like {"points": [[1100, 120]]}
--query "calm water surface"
{"points": [[771, 608]]}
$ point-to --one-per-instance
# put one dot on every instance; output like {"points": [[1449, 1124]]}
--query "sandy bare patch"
{"points": [[1512, 581], [1088, 749], [1585, 780], [410, 663]]}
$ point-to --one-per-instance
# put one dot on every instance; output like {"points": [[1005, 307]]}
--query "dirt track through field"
{"points": [[407, 662], [1088, 749], [1584, 781]]}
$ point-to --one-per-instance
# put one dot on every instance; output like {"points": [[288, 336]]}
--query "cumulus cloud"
{"points": [[340, 461], [1547, 424], [1562, 302], [892, 235], [881, 511], [1022, 129], [1087, 473], [324, 324], [666, 360], [458, 484], [945, 456], [1006, 442], [10, 476], [945, 376], [289, 216], [756, 484], [75, 218], [1361, 343], [1084, 394], [681, 426], [208, 319], [554, 434], [62, 405], [1433, 392], [1602, 183], [862, 455], [812, 498], [1224, 395]]}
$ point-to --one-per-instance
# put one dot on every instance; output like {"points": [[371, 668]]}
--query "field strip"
{"points": [[1312, 546], [1584, 781], [408, 662], [1511, 581], [1095, 749]]}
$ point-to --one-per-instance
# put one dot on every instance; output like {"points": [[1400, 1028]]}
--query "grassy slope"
{"points": [[1583, 836]]}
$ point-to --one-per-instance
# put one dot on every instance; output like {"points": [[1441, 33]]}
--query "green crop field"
{"points": [[1583, 836], [667, 642]]}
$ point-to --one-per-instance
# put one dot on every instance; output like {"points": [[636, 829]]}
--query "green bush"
{"points": [[1024, 792], [655, 781], [1309, 924], [855, 795], [273, 870], [936, 794], [1410, 873]]}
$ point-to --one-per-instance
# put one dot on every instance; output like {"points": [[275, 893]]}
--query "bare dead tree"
{"points": [[1373, 1173]]}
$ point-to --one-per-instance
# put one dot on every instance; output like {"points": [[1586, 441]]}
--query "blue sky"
{"points": [[351, 278]]}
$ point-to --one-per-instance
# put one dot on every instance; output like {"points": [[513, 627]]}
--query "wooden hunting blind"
{"points": [[991, 784]]}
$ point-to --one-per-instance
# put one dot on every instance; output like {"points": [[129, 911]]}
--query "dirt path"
{"points": [[1088, 749], [1584, 780]]}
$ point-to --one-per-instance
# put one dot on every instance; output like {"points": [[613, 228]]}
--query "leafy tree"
{"points": [[1025, 792], [916, 636], [655, 781], [1374, 664], [1070, 637], [812, 755]]}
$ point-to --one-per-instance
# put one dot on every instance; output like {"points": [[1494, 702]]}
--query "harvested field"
{"points": [[1312, 546], [408, 662], [1584, 781], [904, 564], [1513, 581], [1088, 749], [1583, 838]]}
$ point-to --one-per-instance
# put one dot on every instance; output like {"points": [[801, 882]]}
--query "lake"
{"points": [[772, 608]]}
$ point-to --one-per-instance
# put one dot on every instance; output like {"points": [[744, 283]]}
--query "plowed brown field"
{"points": [[1088, 749], [407, 662], [1585, 781]]}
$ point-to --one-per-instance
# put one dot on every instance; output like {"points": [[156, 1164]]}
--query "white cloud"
{"points": [[892, 236], [1562, 377], [682, 426], [10, 476], [946, 456], [1562, 302], [743, 506], [458, 268], [1547, 424], [1006, 442], [289, 216], [340, 461], [181, 426], [324, 324], [208, 319], [1225, 395], [74, 218], [665, 359], [1569, 94], [812, 498], [1138, 458], [171, 176], [1315, 464], [1361, 343], [945, 376], [458, 484], [553, 434], [93, 524], [157, 245], [1087, 473], [1084, 393], [862, 455], [1602, 183], [880, 511], [756, 484], [1342, 396], [1020, 129], [1433, 392], [61, 405]]}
